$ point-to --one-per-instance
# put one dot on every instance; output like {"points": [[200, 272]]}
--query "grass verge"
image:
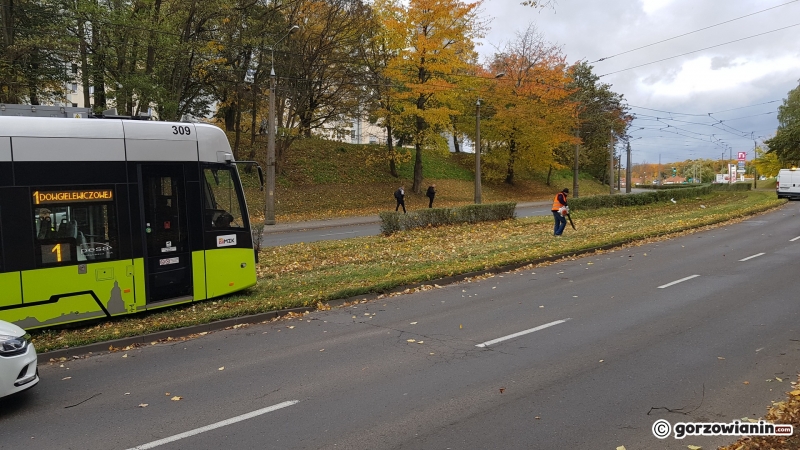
{"points": [[310, 274]]}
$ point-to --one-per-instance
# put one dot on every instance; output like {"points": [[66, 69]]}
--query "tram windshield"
{"points": [[223, 202]]}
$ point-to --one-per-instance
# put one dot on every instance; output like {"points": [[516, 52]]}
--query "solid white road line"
{"points": [[223, 423], [678, 281], [521, 333], [792, 240], [751, 257]]}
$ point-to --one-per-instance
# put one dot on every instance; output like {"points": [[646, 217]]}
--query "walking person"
{"points": [[559, 203], [430, 194], [400, 196]]}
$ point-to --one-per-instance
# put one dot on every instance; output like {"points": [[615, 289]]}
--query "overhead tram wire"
{"points": [[692, 32], [699, 50]]}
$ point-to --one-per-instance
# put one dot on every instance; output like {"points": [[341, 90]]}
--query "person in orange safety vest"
{"points": [[559, 202]]}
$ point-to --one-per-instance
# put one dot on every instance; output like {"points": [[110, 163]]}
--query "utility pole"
{"points": [[611, 164], [628, 171], [730, 158], [478, 152], [575, 170], [755, 170], [269, 205], [619, 172], [659, 170]]}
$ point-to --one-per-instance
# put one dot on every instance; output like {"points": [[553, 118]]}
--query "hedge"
{"points": [[392, 221], [658, 195]]}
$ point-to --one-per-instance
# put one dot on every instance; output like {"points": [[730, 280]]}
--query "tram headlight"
{"points": [[14, 345]]}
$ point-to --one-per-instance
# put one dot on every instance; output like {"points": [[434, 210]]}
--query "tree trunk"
{"points": [[417, 186], [512, 156], [238, 129], [549, 172], [390, 146], [456, 147]]}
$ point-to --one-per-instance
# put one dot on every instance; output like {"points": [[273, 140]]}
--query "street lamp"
{"points": [[269, 207], [478, 146]]}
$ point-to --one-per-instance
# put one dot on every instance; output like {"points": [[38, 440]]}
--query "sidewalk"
{"points": [[353, 220]]}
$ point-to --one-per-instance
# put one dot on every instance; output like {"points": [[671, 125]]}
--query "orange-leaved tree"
{"points": [[533, 112], [438, 48]]}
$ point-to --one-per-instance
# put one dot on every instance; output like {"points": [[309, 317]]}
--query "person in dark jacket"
{"points": [[400, 196], [430, 194], [559, 202]]}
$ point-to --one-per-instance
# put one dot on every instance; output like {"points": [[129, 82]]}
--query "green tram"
{"points": [[105, 217]]}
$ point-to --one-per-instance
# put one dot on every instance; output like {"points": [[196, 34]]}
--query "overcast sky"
{"points": [[684, 89]]}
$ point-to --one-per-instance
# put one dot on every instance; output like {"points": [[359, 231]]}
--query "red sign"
{"points": [[742, 156]]}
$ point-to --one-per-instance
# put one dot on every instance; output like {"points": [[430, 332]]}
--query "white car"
{"points": [[18, 368]]}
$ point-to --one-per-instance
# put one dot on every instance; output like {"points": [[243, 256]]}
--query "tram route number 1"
{"points": [[57, 250]]}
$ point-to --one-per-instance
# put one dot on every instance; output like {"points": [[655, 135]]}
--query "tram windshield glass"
{"points": [[223, 203]]}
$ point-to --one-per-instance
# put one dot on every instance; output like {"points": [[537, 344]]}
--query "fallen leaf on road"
{"points": [[65, 378], [720, 357], [420, 342], [694, 447], [460, 326], [127, 393], [411, 340], [537, 417], [502, 389], [601, 360], [142, 405], [176, 398], [322, 349], [746, 382], [779, 379], [291, 327], [413, 323], [221, 368], [795, 393], [621, 447]]}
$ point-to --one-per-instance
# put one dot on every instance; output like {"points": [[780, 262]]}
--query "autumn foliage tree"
{"points": [[438, 47], [533, 112]]}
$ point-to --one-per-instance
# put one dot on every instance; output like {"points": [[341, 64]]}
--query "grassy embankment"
{"points": [[323, 179]]}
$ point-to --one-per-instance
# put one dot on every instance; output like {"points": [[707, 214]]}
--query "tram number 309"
{"points": [[183, 131]]}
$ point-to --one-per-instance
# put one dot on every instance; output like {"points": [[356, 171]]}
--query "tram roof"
{"points": [[87, 139]]}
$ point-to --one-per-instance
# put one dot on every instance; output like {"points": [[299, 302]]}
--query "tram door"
{"points": [[168, 259]]}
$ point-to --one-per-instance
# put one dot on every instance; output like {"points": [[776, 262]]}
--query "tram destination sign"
{"points": [[84, 195]]}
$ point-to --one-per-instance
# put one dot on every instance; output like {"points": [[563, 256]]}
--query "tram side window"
{"points": [[75, 232], [223, 204]]}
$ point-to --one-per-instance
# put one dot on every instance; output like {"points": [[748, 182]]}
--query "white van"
{"points": [[788, 185]]}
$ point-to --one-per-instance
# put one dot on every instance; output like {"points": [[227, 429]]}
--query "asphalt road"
{"points": [[693, 327]]}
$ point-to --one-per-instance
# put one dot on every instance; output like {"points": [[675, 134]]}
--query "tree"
{"points": [[378, 46], [438, 47], [767, 162], [786, 142], [602, 117], [533, 112], [35, 58]]}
